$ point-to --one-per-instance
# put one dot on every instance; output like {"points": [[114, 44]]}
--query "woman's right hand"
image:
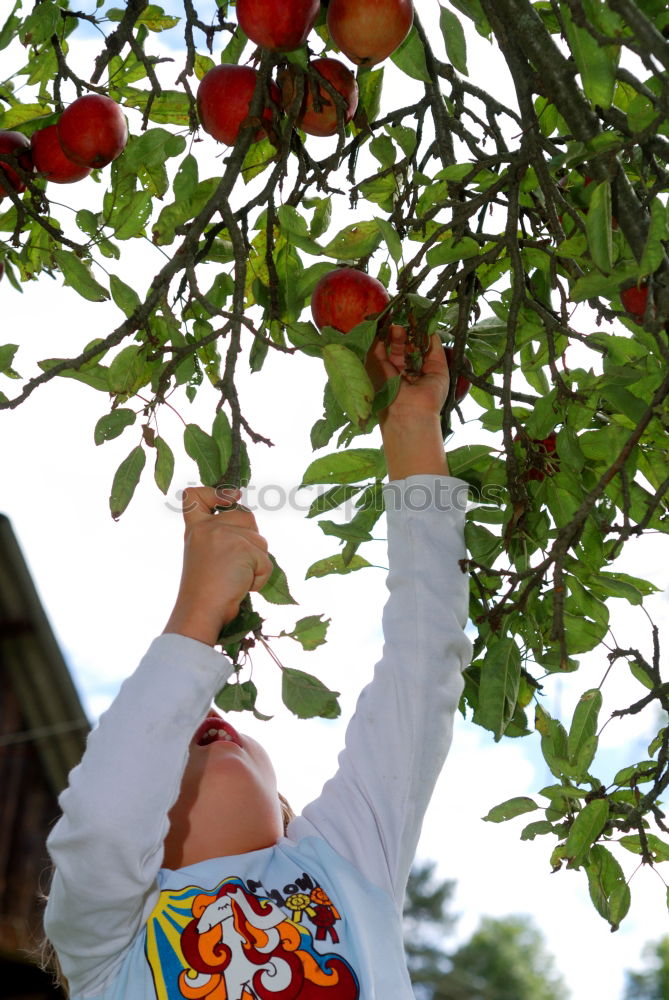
{"points": [[225, 557]]}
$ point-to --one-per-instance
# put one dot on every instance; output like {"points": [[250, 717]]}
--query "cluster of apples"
{"points": [[366, 31], [90, 133]]}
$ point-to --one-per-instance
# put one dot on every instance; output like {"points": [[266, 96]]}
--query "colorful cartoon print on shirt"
{"points": [[230, 944]]}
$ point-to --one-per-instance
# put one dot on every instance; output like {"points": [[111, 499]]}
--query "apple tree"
{"points": [[530, 234]]}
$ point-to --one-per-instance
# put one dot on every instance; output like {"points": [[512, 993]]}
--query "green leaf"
{"points": [[8, 30], [454, 37], [222, 435], [500, 679], [276, 589], [321, 218], [308, 697], [7, 352], [204, 450], [553, 741], [393, 242], [125, 297], [309, 631], [125, 481], [155, 18], [164, 468], [451, 250], [113, 424], [180, 212], [608, 889], [585, 830], [582, 739], [596, 63], [350, 382], [169, 108], [354, 241], [653, 251], [78, 275], [235, 47], [335, 564], [240, 697], [41, 24], [533, 830], [133, 216], [128, 371], [370, 86], [598, 227], [410, 57], [331, 499], [511, 808], [349, 466], [658, 849]]}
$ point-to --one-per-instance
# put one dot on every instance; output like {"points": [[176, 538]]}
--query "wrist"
{"points": [[194, 624], [413, 445]]}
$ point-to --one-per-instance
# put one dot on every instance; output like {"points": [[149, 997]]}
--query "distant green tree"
{"points": [[505, 959], [653, 983], [427, 923]]}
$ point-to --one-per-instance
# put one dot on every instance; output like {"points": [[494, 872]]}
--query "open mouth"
{"points": [[214, 729]]}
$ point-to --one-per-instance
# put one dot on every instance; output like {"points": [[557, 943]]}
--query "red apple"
{"points": [[282, 25], [92, 131], [223, 99], [367, 31], [18, 148], [324, 121], [50, 160], [462, 385], [635, 300], [345, 297], [540, 467]]}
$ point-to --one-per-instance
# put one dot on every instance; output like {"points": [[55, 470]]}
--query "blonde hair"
{"points": [[46, 957]]}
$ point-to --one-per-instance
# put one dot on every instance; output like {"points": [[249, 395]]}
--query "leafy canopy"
{"points": [[532, 237]]}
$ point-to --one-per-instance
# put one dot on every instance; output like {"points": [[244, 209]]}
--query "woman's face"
{"points": [[228, 801]]}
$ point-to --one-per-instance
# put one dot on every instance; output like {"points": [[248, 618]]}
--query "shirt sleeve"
{"points": [[371, 811], [107, 847]]}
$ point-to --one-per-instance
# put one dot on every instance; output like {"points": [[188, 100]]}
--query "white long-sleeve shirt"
{"points": [[318, 916]]}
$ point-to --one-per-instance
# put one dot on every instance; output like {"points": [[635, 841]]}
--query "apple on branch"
{"points": [[635, 300], [318, 113], [50, 160], [368, 31], [345, 297], [538, 450], [223, 99], [92, 131], [17, 149], [280, 25]]}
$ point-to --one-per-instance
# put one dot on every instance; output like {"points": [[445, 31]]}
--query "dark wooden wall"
{"points": [[28, 808]]}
